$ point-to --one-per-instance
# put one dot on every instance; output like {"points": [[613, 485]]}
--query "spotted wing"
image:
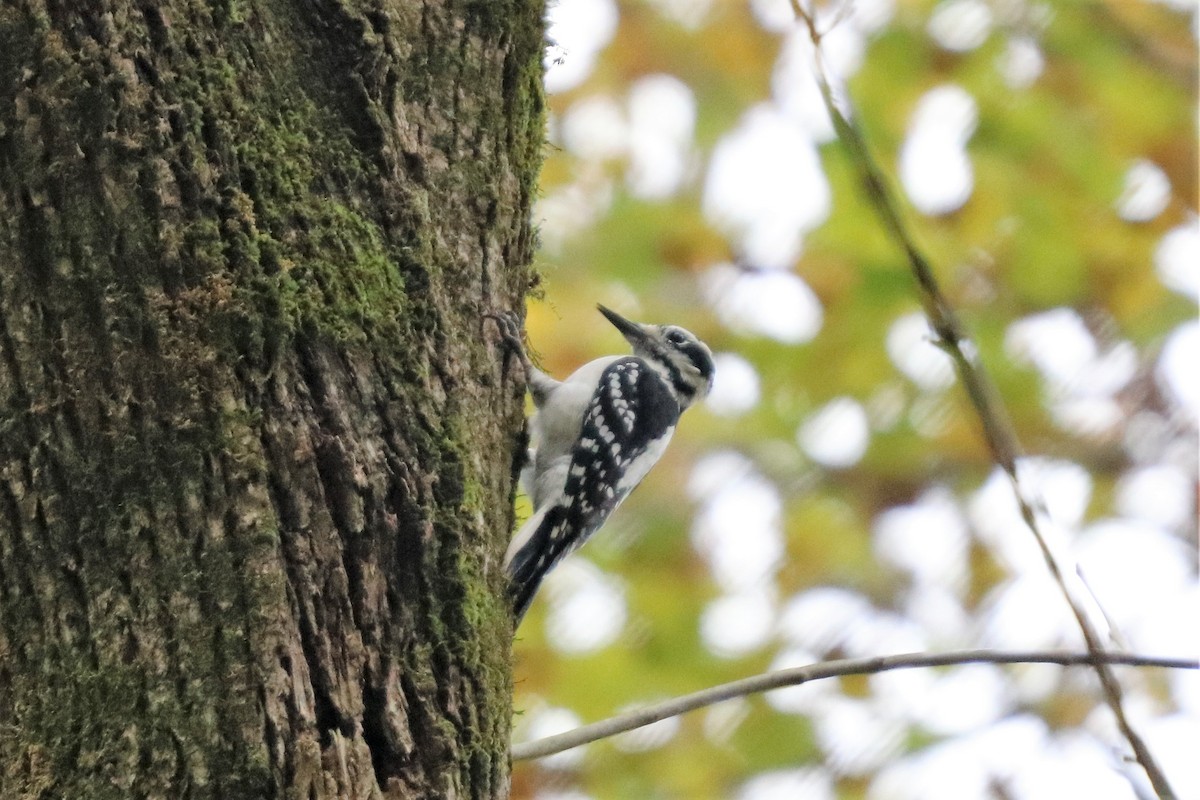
{"points": [[626, 427]]}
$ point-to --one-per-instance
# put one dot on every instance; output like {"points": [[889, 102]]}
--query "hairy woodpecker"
{"points": [[595, 436]]}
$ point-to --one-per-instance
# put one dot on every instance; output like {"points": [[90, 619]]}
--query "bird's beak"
{"points": [[634, 333]]}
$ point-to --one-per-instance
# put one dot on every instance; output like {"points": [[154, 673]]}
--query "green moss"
{"points": [[77, 718], [349, 285], [254, 213], [339, 277], [95, 725]]}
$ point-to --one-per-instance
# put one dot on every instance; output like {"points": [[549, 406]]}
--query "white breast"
{"points": [[642, 464]]}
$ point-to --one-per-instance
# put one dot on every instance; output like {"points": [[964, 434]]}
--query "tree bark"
{"points": [[256, 437]]}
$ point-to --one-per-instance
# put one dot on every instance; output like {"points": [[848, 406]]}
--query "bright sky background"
{"points": [[765, 188]]}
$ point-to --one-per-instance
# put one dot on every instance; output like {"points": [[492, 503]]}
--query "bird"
{"points": [[594, 437]]}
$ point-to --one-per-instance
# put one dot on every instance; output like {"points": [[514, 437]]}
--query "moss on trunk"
{"points": [[255, 437]]}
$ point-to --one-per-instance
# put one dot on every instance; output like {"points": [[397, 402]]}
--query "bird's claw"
{"points": [[510, 330]]}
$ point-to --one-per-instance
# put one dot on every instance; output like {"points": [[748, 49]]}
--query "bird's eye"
{"points": [[675, 337]]}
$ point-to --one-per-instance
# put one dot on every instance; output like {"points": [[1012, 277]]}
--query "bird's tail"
{"points": [[531, 555]]}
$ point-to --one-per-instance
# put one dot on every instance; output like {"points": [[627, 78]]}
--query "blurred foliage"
{"points": [[1039, 231]]}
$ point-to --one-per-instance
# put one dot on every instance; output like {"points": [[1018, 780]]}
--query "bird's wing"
{"points": [[626, 427]]}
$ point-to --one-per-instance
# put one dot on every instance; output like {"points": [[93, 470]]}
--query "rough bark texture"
{"points": [[255, 437]]}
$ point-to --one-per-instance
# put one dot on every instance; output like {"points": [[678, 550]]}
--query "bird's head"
{"points": [[683, 360]]}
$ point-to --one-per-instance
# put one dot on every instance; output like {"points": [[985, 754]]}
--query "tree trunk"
{"points": [[256, 436]]}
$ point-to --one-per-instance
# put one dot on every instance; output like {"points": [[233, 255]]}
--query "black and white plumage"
{"points": [[595, 437]]}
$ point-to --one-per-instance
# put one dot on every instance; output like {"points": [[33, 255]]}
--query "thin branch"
{"points": [[1174, 63], [997, 429], [827, 669]]}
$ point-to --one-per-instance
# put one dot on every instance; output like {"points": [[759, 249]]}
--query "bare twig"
{"points": [[997, 429], [827, 669], [1172, 62]]}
